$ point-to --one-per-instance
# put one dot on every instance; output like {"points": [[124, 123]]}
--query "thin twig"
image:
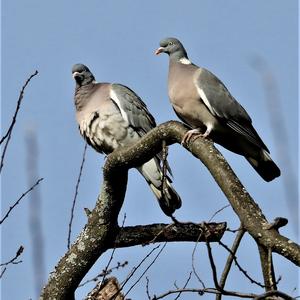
{"points": [[150, 265], [134, 269], [193, 261], [104, 273], [13, 260], [18, 201], [186, 283], [213, 267], [7, 136], [75, 196], [201, 292], [112, 255], [230, 259], [147, 288], [273, 293], [239, 266], [2, 272], [218, 211]]}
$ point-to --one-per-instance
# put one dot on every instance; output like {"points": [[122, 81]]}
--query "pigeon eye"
{"points": [[171, 43]]}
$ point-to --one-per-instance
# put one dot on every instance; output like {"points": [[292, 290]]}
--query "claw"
{"points": [[195, 133]]}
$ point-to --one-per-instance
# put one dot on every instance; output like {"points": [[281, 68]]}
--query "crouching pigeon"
{"points": [[110, 116], [203, 102]]}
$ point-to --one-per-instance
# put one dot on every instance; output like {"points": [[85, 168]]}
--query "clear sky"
{"points": [[117, 39]]}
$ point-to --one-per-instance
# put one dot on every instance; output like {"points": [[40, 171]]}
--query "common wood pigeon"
{"points": [[203, 102], [110, 116]]}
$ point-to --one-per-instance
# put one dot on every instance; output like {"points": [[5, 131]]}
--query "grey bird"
{"points": [[203, 102], [110, 116]]}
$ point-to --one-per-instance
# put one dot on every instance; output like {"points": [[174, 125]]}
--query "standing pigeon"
{"points": [[203, 102], [110, 116]]}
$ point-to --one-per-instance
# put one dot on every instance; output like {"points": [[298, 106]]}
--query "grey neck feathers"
{"points": [[82, 93], [179, 54]]}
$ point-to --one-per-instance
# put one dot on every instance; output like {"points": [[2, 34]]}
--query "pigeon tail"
{"points": [[167, 198], [166, 195], [265, 167]]}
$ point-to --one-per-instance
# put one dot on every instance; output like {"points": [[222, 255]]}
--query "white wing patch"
{"points": [[114, 97], [205, 100], [185, 61]]}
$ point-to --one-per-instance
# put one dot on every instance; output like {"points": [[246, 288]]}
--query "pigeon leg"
{"points": [[195, 132], [187, 137]]}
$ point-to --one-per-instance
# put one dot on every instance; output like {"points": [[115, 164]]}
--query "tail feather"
{"points": [[266, 167], [167, 197]]}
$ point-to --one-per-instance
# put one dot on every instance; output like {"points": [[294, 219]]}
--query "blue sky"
{"points": [[117, 39]]}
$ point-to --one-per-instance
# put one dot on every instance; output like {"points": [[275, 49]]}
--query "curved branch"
{"points": [[101, 228]]}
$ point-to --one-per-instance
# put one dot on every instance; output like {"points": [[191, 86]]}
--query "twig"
{"points": [[213, 267], [273, 293], [75, 196], [239, 266], [13, 260], [150, 265], [133, 271], [193, 261], [186, 283], [2, 272], [201, 292], [147, 288], [218, 211], [112, 254], [7, 136], [230, 259], [104, 273], [18, 201]]}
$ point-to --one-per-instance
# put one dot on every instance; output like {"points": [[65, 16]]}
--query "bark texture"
{"points": [[102, 231]]}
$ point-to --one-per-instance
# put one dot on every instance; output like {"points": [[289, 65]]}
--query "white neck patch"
{"points": [[185, 61]]}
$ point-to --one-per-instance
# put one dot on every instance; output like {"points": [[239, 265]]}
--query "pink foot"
{"points": [[194, 133]]}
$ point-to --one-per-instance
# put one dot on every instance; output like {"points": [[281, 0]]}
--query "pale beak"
{"points": [[75, 74], [159, 50]]}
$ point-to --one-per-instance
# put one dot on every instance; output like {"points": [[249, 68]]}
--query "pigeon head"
{"points": [[82, 74], [172, 47]]}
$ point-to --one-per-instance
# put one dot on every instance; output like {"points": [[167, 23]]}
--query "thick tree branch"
{"points": [[101, 230], [144, 234]]}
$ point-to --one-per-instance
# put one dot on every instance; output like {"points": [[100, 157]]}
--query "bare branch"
{"points": [[102, 228], [112, 254], [179, 232], [13, 260], [150, 265], [239, 266], [193, 260], [185, 285], [273, 293], [18, 201], [230, 259], [75, 196], [7, 136], [201, 292], [267, 268], [218, 211]]}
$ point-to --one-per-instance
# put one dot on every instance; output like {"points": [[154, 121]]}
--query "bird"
{"points": [[202, 101], [110, 116]]}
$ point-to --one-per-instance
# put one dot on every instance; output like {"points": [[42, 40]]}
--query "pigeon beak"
{"points": [[75, 74], [159, 50]]}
